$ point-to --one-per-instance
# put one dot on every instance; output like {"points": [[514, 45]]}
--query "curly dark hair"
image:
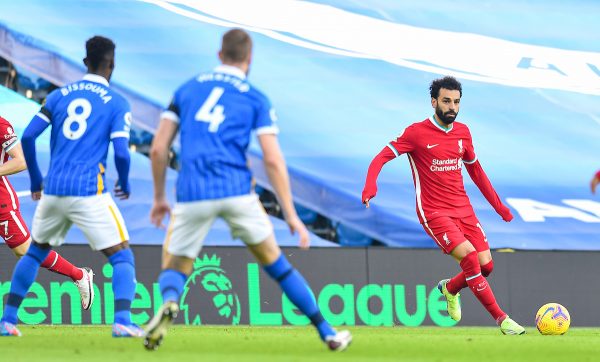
{"points": [[447, 82], [97, 48]]}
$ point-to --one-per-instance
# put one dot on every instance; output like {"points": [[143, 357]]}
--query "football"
{"points": [[552, 319]]}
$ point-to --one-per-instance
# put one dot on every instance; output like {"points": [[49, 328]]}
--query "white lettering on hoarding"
{"points": [[481, 58]]}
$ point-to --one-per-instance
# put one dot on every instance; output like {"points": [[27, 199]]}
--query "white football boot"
{"points": [[157, 327], [339, 342], [85, 285]]}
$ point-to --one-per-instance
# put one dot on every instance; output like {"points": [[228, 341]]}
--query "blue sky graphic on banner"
{"points": [[347, 77]]}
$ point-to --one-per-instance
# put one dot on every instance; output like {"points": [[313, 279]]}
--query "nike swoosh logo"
{"points": [[432, 146], [8, 238], [479, 290]]}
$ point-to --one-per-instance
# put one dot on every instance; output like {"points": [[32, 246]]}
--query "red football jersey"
{"points": [[436, 157], [8, 196]]}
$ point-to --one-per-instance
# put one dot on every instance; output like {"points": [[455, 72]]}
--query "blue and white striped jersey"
{"points": [[217, 113], [84, 116]]}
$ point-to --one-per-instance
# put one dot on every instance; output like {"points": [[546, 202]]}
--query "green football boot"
{"points": [[508, 326], [452, 301]]}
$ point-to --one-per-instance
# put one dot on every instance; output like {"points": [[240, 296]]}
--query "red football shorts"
{"points": [[13, 229], [449, 232]]}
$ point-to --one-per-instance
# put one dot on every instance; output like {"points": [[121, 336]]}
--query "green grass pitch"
{"points": [[219, 343]]}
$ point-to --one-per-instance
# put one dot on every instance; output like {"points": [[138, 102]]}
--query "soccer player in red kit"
{"points": [[437, 148], [12, 227]]}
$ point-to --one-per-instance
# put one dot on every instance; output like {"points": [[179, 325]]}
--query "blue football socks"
{"points": [[171, 284], [23, 277], [124, 284], [298, 292]]}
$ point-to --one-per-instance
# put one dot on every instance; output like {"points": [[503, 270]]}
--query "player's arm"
{"points": [[402, 144], [16, 163], [122, 161], [485, 186], [159, 154], [279, 178], [370, 189], [595, 181], [482, 181], [119, 136], [36, 127]]}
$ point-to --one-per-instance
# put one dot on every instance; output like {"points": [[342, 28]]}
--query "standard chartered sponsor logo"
{"points": [[450, 164]]}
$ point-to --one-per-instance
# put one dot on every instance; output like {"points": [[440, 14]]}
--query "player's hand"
{"points": [[36, 195], [36, 191], [506, 214], [595, 182], [122, 193], [160, 209], [297, 226], [367, 194]]}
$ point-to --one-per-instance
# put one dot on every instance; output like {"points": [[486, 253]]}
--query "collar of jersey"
{"points": [[228, 69], [96, 79], [432, 119]]}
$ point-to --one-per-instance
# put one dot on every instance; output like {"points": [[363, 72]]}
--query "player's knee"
{"points": [[19, 252], [463, 249], [470, 264], [487, 269]]}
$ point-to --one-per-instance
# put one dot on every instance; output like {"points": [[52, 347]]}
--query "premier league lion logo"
{"points": [[208, 294]]}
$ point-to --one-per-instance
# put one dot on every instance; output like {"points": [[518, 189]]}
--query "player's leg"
{"points": [[54, 262], [100, 220], [18, 238], [446, 234], [27, 267], [189, 224], [122, 260], [473, 231], [82, 277], [248, 221], [23, 277], [467, 255], [171, 282], [459, 282]]}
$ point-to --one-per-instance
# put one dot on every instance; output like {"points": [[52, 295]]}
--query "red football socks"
{"points": [[459, 282], [479, 286], [56, 263]]}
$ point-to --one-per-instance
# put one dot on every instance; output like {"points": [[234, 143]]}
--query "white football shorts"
{"points": [[191, 221], [97, 216]]}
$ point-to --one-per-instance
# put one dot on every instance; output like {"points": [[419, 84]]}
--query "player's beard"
{"points": [[447, 118]]}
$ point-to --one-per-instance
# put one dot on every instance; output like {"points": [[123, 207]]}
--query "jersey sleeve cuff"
{"points": [[389, 145], [470, 162], [267, 130], [170, 115], [119, 134], [10, 147], [43, 117]]}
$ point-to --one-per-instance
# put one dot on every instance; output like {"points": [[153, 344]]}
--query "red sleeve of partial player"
{"points": [[7, 135], [598, 174], [485, 186], [375, 167]]}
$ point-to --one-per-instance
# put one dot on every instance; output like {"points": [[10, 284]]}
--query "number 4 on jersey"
{"points": [[211, 112]]}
